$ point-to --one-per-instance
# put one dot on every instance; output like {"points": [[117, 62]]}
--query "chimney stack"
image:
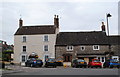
{"points": [[20, 22], [56, 21], [103, 27]]}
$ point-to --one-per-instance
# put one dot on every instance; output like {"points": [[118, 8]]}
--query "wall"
{"points": [[35, 44]]}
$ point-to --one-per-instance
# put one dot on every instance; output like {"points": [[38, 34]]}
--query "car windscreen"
{"points": [[80, 60], [51, 60], [114, 60], [96, 61]]}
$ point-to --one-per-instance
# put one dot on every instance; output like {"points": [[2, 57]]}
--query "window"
{"points": [[24, 38], [23, 58], [46, 38], [82, 48], [69, 48], [45, 47], [24, 48], [95, 47], [102, 59]]}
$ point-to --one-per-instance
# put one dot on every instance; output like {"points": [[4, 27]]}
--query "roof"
{"points": [[81, 38], [33, 30], [114, 40]]}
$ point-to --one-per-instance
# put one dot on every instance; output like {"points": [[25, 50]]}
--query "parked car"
{"points": [[94, 63], [59, 62], [51, 62], [79, 63], [112, 63], [34, 62]]}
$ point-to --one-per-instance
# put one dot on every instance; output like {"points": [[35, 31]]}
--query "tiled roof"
{"points": [[81, 38], [33, 30]]}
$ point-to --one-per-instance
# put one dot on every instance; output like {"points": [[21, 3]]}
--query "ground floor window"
{"points": [[23, 58]]}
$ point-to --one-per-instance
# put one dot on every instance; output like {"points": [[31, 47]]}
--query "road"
{"points": [[65, 71]]}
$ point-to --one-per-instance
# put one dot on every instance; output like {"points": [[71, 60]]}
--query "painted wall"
{"points": [[34, 43]]}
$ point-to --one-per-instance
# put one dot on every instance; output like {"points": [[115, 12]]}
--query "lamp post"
{"points": [[107, 16]]}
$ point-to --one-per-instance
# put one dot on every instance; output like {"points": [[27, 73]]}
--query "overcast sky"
{"points": [[80, 15]]}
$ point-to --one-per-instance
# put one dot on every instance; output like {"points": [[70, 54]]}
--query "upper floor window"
{"points": [[96, 47], [24, 48], [24, 38], [45, 47], [69, 48], [46, 38], [82, 48]]}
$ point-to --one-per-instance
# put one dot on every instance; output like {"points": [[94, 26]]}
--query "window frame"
{"points": [[69, 48], [24, 49], [95, 48], [24, 39], [22, 58], [82, 49], [45, 38], [44, 48]]}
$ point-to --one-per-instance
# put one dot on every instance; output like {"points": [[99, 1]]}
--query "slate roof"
{"points": [[33, 30], [114, 40], [82, 38]]}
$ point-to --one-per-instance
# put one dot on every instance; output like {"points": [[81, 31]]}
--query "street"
{"points": [[62, 71]]}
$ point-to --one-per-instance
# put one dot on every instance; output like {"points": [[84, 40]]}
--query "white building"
{"points": [[35, 39]]}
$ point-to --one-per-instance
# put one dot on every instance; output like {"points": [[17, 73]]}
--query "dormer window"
{"points": [[96, 47], [69, 48], [46, 38], [24, 38]]}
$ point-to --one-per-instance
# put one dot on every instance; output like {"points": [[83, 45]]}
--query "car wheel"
{"points": [[85, 66], [88, 66], [118, 67], [31, 65]]}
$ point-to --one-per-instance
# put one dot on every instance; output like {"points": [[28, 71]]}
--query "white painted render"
{"points": [[34, 43]]}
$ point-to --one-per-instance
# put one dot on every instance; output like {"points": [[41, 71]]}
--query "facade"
{"points": [[38, 40], [87, 45], [82, 45], [46, 41]]}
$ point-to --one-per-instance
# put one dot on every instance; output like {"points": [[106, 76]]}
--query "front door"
{"points": [[67, 58]]}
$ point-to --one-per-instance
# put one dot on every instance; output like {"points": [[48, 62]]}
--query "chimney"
{"points": [[20, 22], [103, 27], [56, 21]]}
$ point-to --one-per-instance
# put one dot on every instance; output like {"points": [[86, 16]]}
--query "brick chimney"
{"points": [[56, 21], [20, 22], [103, 27]]}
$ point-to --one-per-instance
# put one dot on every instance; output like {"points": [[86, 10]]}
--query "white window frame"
{"points": [[25, 57], [23, 48], [44, 48], [82, 49], [69, 48], [44, 39], [95, 48], [24, 39]]}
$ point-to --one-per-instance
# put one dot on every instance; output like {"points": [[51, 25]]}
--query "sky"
{"points": [[77, 15]]}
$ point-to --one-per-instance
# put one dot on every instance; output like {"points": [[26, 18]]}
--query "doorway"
{"points": [[67, 57]]}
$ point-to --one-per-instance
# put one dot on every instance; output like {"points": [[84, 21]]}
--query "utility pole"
{"points": [[107, 16]]}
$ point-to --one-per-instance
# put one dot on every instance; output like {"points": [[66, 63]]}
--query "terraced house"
{"points": [[37, 39]]}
